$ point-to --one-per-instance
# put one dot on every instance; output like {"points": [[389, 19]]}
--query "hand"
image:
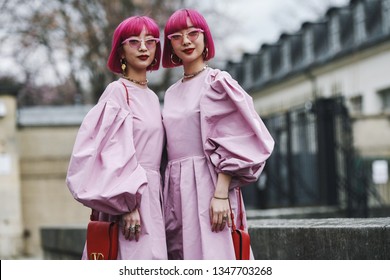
{"points": [[219, 214], [131, 225], [220, 208]]}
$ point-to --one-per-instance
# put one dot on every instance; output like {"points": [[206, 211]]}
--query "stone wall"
{"points": [[46, 200], [11, 229]]}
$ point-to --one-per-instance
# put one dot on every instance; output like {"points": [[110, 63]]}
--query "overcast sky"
{"points": [[263, 21]]}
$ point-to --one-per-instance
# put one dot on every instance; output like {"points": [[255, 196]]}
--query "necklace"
{"points": [[142, 83], [189, 76]]}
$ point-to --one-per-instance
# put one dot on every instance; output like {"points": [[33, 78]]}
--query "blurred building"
{"points": [[346, 53], [337, 66]]}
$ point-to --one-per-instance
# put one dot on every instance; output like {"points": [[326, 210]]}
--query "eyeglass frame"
{"points": [[139, 42], [198, 30]]}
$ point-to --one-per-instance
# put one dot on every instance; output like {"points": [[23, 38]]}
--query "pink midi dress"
{"points": [[115, 165], [211, 127]]}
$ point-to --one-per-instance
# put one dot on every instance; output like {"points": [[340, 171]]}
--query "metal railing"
{"points": [[314, 163]]}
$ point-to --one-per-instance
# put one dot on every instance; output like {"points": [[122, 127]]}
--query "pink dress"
{"points": [[115, 165], [211, 126]]}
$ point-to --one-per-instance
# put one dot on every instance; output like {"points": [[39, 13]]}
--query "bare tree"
{"points": [[72, 39], [65, 43]]}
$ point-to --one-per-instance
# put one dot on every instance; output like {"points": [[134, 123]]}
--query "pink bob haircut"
{"points": [[132, 26], [177, 22]]}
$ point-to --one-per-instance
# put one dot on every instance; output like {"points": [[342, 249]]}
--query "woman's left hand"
{"points": [[219, 205], [131, 225], [219, 214]]}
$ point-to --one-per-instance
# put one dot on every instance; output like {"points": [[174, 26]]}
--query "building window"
{"points": [[286, 56], [308, 45], [321, 40], [347, 28], [275, 59], [334, 34], [266, 65], [373, 18], [296, 51], [256, 68], [360, 18], [356, 103], [385, 96]]}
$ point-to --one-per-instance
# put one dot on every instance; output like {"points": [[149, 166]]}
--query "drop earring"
{"points": [[123, 66]]}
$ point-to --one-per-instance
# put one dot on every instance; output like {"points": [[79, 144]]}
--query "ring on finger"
{"points": [[132, 229], [137, 228]]}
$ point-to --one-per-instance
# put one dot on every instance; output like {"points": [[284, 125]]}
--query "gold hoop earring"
{"points": [[173, 61], [205, 53], [123, 66], [154, 62]]}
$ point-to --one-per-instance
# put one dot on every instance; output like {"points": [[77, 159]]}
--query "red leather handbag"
{"points": [[241, 238], [102, 239]]}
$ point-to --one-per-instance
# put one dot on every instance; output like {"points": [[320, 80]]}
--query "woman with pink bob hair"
{"points": [[115, 164], [216, 143]]}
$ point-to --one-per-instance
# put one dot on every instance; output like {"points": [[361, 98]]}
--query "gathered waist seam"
{"points": [[185, 158]]}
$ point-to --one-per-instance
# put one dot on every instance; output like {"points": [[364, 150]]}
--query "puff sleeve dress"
{"points": [[114, 166], [211, 127]]}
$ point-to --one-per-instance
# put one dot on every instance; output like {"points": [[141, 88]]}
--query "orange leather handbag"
{"points": [[241, 238], [102, 239]]}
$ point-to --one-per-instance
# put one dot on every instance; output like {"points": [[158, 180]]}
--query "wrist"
{"points": [[221, 197], [221, 192]]}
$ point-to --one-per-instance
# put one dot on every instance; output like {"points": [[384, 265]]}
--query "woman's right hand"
{"points": [[131, 225]]}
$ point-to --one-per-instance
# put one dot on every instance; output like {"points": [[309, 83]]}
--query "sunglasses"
{"points": [[135, 43], [192, 35]]}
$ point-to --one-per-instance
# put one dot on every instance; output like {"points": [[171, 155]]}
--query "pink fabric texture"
{"points": [[114, 167], [211, 127]]}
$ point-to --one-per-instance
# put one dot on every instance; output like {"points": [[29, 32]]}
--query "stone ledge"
{"points": [[321, 239], [63, 243], [296, 213], [271, 239]]}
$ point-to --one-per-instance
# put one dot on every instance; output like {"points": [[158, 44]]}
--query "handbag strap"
{"points": [[127, 94], [240, 209], [232, 217], [94, 215], [239, 212]]}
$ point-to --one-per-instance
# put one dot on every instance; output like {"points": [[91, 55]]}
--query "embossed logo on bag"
{"points": [[96, 256]]}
